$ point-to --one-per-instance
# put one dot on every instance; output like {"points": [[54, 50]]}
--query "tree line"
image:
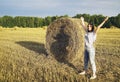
{"points": [[22, 21]]}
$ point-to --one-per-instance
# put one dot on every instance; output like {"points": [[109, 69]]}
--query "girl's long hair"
{"points": [[92, 27]]}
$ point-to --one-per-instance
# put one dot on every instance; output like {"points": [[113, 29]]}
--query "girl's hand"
{"points": [[82, 18], [106, 18]]}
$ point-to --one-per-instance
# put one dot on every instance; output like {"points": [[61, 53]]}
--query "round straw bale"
{"points": [[65, 39]]}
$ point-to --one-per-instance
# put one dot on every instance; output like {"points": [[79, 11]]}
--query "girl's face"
{"points": [[89, 27]]}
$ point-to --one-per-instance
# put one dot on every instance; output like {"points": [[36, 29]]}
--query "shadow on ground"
{"points": [[34, 46], [40, 48]]}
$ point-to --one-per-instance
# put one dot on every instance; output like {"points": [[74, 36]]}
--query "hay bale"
{"points": [[65, 39]]}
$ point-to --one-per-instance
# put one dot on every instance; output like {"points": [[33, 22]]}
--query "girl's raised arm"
{"points": [[101, 24], [83, 24]]}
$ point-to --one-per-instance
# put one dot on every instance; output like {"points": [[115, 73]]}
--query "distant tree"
{"points": [[41, 22], [17, 21], [0, 21], [118, 21], [54, 18], [31, 21], [36, 22], [22, 21], [7, 21], [47, 20], [63, 16]]}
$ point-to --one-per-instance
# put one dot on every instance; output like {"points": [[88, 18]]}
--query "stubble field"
{"points": [[23, 58]]}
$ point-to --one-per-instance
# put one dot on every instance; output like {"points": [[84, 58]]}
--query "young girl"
{"points": [[89, 53]]}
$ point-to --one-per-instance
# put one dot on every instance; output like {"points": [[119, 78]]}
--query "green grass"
{"points": [[23, 58]]}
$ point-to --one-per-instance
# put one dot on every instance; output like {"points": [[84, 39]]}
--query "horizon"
{"points": [[57, 15]]}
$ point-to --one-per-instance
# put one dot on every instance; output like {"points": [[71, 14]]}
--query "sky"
{"points": [[43, 8]]}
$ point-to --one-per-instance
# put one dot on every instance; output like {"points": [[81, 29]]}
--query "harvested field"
{"points": [[23, 58]]}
